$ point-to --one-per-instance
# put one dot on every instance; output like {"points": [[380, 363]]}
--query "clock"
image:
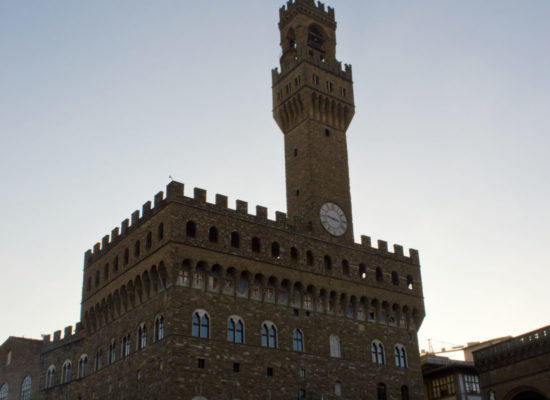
{"points": [[333, 219]]}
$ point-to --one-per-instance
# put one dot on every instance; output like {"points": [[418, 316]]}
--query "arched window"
{"points": [[275, 250], [50, 377], [160, 232], [235, 330], [148, 241], [400, 356], [191, 229], [213, 234], [25, 389], [381, 392], [410, 283], [111, 356], [345, 267], [115, 264], [335, 346], [126, 256], [293, 254], [96, 279], [159, 328], [297, 341], [315, 38], [338, 389], [377, 352], [235, 239], [362, 271], [256, 245], [379, 276], [82, 366], [125, 346], [394, 278], [141, 337], [309, 258], [328, 262], [89, 284], [201, 324], [98, 360], [404, 392], [137, 248], [106, 272], [269, 335], [66, 372], [4, 392]]}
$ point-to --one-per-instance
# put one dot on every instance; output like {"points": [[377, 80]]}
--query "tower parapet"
{"points": [[316, 11]]}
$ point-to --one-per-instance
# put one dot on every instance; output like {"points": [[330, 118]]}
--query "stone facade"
{"points": [[516, 369], [193, 300]]}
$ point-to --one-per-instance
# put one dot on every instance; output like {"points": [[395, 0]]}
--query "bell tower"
{"points": [[313, 106]]}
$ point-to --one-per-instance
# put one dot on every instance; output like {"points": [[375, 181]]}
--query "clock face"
{"points": [[333, 219]]}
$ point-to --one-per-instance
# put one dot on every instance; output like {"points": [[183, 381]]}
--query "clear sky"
{"points": [[101, 101]]}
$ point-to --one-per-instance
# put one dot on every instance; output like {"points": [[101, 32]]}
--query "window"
{"points": [[115, 264], [381, 392], [394, 278], [338, 389], [343, 91], [201, 363], [295, 152], [302, 394], [235, 330], [82, 366], [213, 234], [50, 377], [4, 392], [8, 357], [236, 367], [96, 279], [410, 284], [235, 240], [345, 267], [125, 347], [141, 337], [201, 324], [137, 248], [298, 80], [472, 383], [98, 360], [327, 132], [149, 241], [362, 271], [269, 335], [377, 352], [315, 79], [159, 328], [269, 371], [335, 346], [400, 356], [379, 276], [275, 250], [25, 389], [297, 341], [302, 373], [288, 87], [294, 254], [309, 258], [191, 229], [89, 284], [160, 232], [328, 262], [111, 356], [330, 86], [404, 392], [443, 387], [256, 246], [66, 372], [126, 256]]}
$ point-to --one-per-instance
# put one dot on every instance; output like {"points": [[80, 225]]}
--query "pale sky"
{"points": [[101, 101]]}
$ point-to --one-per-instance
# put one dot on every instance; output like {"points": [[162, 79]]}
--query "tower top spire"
{"points": [[316, 11]]}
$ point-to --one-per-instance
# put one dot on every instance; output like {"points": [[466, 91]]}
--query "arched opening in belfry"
{"points": [[290, 39], [316, 38]]}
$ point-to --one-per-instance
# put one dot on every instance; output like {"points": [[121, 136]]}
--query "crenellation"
{"points": [[414, 256], [221, 201], [146, 210], [46, 338], [366, 241], [398, 250], [242, 207], [57, 336], [199, 195], [115, 234], [97, 248], [125, 226], [317, 10], [68, 332], [159, 197], [174, 190], [135, 219], [105, 242], [382, 246], [280, 218], [261, 212]]}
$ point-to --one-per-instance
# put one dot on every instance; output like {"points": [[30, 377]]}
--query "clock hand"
{"points": [[332, 218]]}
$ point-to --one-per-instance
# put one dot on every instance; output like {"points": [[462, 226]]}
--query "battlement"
{"points": [[310, 7], [70, 332], [175, 192]]}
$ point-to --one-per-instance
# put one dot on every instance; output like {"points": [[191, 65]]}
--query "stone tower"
{"points": [[313, 105]]}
